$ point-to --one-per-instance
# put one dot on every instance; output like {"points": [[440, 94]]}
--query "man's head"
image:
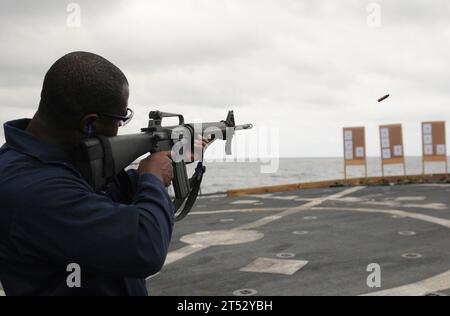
{"points": [[84, 93]]}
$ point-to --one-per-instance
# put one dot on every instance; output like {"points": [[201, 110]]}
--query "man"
{"points": [[49, 215]]}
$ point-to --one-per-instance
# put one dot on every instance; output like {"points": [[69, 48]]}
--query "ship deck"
{"points": [[313, 242]]}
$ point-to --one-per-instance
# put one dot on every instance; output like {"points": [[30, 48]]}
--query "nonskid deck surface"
{"points": [[313, 242]]}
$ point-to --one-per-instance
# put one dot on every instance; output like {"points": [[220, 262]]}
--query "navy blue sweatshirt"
{"points": [[50, 217]]}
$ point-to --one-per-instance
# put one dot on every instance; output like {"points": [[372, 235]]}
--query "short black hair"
{"points": [[80, 83]]}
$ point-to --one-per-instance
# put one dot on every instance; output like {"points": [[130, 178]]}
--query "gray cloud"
{"points": [[308, 67]]}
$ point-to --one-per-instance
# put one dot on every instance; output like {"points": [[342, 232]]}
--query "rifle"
{"points": [[100, 158]]}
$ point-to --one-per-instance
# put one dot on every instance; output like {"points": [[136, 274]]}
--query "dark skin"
{"points": [[68, 139], [158, 164]]}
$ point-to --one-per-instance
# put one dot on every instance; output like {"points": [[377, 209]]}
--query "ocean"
{"points": [[222, 176]]}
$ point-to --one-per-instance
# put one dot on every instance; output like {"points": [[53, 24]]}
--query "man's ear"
{"points": [[87, 124]]}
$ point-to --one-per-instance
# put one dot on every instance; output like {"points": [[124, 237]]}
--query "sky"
{"points": [[298, 70]]}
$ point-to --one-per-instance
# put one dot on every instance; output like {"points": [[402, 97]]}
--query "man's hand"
{"points": [[158, 164], [200, 145]]}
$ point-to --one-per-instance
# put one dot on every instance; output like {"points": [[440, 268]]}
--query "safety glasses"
{"points": [[121, 120]]}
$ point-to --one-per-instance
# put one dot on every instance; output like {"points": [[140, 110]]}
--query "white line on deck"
{"points": [[183, 252], [244, 210], [245, 202], [421, 217], [276, 197]]}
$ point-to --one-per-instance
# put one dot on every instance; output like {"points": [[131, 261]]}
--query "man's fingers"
{"points": [[203, 138], [201, 143]]}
